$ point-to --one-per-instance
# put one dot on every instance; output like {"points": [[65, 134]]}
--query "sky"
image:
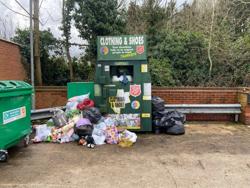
{"points": [[50, 17]]}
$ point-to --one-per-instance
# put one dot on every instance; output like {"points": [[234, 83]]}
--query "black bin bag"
{"points": [[85, 130], [158, 104], [177, 129], [93, 114]]}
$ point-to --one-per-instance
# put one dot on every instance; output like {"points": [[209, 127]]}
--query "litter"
{"points": [[112, 136], [171, 122], [74, 101], [158, 104], [127, 138], [84, 130], [83, 122], [86, 103], [42, 132], [86, 125], [79, 98], [59, 118], [177, 129], [99, 133], [93, 114]]}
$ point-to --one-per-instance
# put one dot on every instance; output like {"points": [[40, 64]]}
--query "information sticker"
{"points": [[13, 115]]}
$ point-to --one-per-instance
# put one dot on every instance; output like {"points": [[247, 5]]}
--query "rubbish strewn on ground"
{"points": [[82, 122], [171, 122]]}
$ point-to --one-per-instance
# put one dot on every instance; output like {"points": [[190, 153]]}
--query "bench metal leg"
{"points": [[236, 118]]}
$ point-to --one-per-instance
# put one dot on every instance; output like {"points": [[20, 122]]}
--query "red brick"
{"points": [[57, 96], [11, 67]]}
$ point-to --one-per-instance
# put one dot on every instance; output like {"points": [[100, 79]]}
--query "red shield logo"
{"points": [[140, 49], [135, 90]]}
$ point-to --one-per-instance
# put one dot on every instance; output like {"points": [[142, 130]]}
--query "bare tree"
{"points": [[66, 27], [210, 40]]}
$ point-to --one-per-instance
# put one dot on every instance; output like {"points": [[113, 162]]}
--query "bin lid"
{"points": [[13, 85]]}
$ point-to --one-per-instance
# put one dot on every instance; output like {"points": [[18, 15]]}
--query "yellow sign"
{"points": [[145, 115], [146, 98], [144, 68], [117, 103]]}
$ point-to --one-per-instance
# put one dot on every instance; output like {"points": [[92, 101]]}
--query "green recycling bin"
{"points": [[15, 108]]}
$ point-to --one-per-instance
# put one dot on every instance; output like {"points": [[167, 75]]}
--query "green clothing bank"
{"points": [[122, 86]]}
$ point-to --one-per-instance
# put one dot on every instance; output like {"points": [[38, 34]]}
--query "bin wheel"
{"points": [[4, 156], [26, 141]]}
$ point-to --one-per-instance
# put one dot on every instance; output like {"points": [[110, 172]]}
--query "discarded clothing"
{"points": [[112, 136], [110, 122], [85, 130], [83, 122], [88, 141], [86, 103]]}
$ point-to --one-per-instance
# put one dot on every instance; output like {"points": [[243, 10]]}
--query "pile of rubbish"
{"points": [[171, 122], [82, 122]]}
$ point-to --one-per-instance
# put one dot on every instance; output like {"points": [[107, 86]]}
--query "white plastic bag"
{"points": [[71, 106], [128, 135], [99, 137], [79, 98], [99, 133], [42, 132], [74, 101]]}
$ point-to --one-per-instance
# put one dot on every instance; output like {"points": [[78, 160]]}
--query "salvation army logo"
{"points": [[140, 49], [104, 50], [135, 105], [135, 90], [23, 111]]}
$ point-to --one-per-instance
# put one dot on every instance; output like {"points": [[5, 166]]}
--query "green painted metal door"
{"points": [[80, 88]]}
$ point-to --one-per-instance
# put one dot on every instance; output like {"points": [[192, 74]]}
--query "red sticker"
{"points": [[135, 90], [140, 49]]}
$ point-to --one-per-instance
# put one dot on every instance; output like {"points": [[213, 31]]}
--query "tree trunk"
{"points": [[71, 73], [210, 41], [66, 42], [38, 71]]}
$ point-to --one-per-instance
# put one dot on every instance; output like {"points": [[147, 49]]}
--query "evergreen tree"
{"points": [[97, 18]]}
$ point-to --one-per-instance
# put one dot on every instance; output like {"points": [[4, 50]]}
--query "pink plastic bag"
{"points": [[112, 135]]}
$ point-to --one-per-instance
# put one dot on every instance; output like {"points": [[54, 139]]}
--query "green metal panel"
{"points": [[120, 56], [80, 88], [14, 88], [125, 47], [110, 88], [15, 108]]}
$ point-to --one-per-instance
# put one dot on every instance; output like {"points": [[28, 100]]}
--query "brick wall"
{"points": [[11, 67], [200, 96], [47, 97], [57, 96], [197, 95]]}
